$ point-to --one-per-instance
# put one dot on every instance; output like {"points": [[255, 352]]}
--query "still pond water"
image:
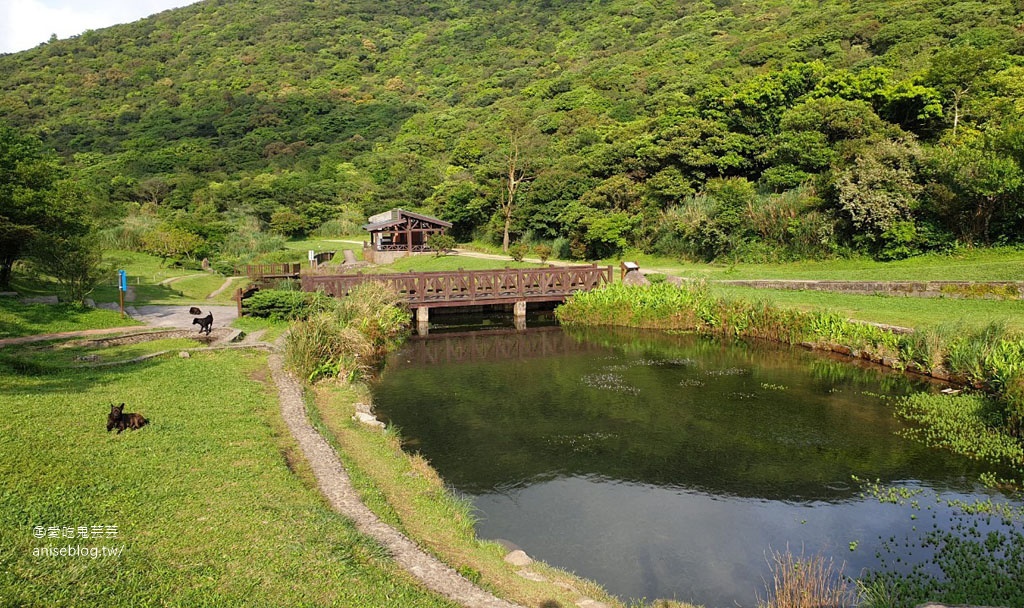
{"points": [[666, 466]]}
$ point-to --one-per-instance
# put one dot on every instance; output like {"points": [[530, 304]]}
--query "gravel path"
{"points": [[178, 315], [335, 485]]}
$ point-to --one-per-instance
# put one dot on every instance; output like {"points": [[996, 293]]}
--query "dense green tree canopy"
{"points": [[330, 110], [31, 203]]}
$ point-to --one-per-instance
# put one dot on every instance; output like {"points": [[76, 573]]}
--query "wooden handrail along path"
{"points": [[472, 287], [271, 271]]}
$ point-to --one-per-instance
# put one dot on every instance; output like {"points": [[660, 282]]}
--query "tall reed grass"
{"points": [[806, 582], [347, 337]]}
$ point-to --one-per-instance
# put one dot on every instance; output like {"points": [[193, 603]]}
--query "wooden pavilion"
{"points": [[401, 232]]}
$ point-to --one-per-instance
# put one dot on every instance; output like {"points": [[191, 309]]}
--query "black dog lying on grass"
{"points": [[204, 323], [121, 421]]}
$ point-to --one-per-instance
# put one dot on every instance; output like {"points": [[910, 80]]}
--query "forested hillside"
{"points": [[735, 129]]}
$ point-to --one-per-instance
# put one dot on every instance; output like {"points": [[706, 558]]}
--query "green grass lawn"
{"points": [[210, 502], [192, 289], [1005, 264], [29, 319], [38, 357], [298, 249], [319, 245], [145, 268], [902, 311], [271, 329], [430, 263]]}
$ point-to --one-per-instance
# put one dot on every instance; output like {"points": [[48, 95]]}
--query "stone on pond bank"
{"points": [[518, 558], [368, 419]]}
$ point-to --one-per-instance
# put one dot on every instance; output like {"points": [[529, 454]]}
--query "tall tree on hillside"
{"points": [[516, 172], [960, 72], [27, 179]]}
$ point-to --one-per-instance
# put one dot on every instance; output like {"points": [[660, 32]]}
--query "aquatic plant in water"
{"points": [[976, 557]]}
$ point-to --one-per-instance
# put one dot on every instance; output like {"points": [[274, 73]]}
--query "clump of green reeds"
{"points": [[805, 582], [347, 339]]}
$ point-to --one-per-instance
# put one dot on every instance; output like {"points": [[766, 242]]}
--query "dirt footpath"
{"points": [[179, 317]]}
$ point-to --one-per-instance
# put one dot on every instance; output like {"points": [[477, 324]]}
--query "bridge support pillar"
{"points": [[519, 314], [422, 320]]}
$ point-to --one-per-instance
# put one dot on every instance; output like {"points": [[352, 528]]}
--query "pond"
{"points": [[667, 466]]}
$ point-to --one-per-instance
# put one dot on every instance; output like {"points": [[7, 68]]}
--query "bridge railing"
{"points": [[257, 271], [401, 247], [472, 286]]}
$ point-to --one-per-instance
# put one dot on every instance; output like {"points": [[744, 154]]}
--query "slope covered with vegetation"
{"points": [[738, 129]]}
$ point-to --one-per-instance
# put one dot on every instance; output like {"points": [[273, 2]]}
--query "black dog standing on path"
{"points": [[204, 323], [117, 419]]}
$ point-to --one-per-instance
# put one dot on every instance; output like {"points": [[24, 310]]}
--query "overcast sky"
{"points": [[26, 23]]}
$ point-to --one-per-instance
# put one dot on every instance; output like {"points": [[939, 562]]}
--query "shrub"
{"points": [[75, 262], [288, 223], [280, 304], [249, 242], [518, 250], [543, 251], [336, 227], [129, 234], [561, 249], [441, 244]]}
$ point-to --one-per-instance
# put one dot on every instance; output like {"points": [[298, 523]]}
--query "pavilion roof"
{"points": [[396, 217]]}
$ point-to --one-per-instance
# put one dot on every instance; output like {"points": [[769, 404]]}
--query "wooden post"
{"points": [[238, 300]]}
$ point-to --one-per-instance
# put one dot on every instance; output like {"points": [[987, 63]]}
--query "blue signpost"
{"points": [[122, 287]]}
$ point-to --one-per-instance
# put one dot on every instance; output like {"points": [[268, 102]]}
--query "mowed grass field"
{"points": [[891, 310], [1005, 264], [18, 319], [997, 264], [210, 503]]}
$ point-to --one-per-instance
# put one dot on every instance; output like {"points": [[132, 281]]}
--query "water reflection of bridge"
{"points": [[493, 345]]}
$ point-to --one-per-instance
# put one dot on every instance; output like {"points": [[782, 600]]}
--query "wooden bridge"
{"points": [[425, 290]]}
